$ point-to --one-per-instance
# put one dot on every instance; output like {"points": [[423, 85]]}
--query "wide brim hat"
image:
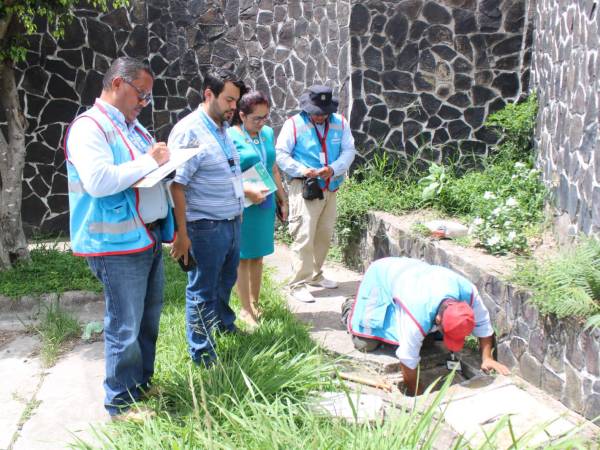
{"points": [[318, 100]]}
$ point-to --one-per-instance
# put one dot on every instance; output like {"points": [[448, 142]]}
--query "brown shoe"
{"points": [[135, 414], [152, 392]]}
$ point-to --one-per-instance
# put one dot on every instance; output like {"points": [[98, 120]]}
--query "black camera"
{"points": [[311, 189]]}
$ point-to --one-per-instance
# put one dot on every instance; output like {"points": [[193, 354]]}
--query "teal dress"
{"points": [[258, 224]]}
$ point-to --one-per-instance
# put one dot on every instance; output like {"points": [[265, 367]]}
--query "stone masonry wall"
{"points": [[554, 355], [565, 66], [426, 74], [279, 46]]}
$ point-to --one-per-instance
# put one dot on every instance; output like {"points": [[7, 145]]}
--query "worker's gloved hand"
{"points": [[490, 364]]}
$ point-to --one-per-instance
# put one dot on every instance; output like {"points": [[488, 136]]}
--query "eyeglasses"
{"points": [[141, 95], [259, 119]]}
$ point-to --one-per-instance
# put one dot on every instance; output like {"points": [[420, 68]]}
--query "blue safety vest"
{"points": [[109, 225], [418, 288], [309, 145]]}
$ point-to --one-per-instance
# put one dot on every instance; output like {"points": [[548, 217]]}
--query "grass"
{"points": [[49, 271], [55, 329]]}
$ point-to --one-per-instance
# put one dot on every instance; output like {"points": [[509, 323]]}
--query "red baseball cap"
{"points": [[458, 322]]}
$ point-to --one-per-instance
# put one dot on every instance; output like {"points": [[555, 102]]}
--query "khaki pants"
{"points": [[311, 225]]}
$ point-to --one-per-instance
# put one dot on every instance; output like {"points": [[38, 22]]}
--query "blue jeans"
{"points": [[216, 249], [133, 291]]}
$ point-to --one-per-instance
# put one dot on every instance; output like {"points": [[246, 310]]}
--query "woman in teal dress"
{"points": [[255, 144]]}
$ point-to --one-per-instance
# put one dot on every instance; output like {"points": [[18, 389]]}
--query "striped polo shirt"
{"points": [[210, 192]]}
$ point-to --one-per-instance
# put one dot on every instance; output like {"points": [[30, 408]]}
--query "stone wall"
{"points": [[565, 71], [426, 74], [278, 46], [554, 355]]}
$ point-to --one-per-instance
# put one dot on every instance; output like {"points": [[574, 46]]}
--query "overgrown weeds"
{"points": [[55, 329], [567, 284], [49, 271]]}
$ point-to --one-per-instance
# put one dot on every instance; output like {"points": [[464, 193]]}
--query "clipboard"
{"points": [[259, 176], [178, 157]]}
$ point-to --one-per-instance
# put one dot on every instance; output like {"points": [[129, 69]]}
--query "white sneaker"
{"points": [[326, 284], [302, 294]]}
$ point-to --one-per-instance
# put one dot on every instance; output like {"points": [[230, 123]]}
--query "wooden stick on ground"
{"points": [[379, 384]]}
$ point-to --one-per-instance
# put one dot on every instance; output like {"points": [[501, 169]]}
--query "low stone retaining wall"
{"points": [[555, 355]]}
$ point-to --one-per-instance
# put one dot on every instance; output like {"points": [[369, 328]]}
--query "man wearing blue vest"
{"points": [[120, 229], [315, 148], [401, 300], [209, 201]]}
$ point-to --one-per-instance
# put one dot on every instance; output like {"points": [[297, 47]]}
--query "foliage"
{"points": [[434, 182], [28, 13], [49, 271], [55, 329], [567, 284]]}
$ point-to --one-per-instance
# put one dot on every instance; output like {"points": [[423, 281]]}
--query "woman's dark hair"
{"points": [[247, 103]]}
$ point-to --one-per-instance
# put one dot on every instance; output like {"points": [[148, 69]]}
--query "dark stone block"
{"points": [[59, 111], [92, 87], [176, 103], [395, 141], [74, 36], [371, 75], [507, 84], [371, 87], [514, 17], [430, 103], [100, 38], [573, 352], [444, 52], [443, 91], [473, 148], [71, 57], [481, 95], [399, 81], [265, 18], [359, 19], [59, 88], [441, 136], [427, 61], [424, 82], [378, 40], [379, 112], [397, 29], [411, 128], [417, 29], [417, 113], [356, 83], [537, 345], [508, 46], [286, 35], [458, 129], [396, 118], [359, 110], [434, 122], [33, 210], [52, 136], [531, 369], [462, 44], [487, 135], [573, 392], [408, 58], [58, 203], [34, 80], [461, 65], [34, 105], [372, 58], [378, 130], [462, 82], [460, 99], [592, 408], [389, 60], [464, 21], [399, 100], [117, 19], [507, 63], [489, 17], [378, 23], [40, 153], [373, 100], [484, 77], [137, 45], [448, 113], [552, 383], [592, 354], [435, 13], [437, 34], [475, 116], [158, 64]]}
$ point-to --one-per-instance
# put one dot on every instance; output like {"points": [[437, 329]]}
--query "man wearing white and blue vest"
{"points": [[401, 300], [315, 148], [120, 229]]}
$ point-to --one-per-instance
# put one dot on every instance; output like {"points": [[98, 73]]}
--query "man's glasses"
{"points": [[259, 119], [141, 95]]}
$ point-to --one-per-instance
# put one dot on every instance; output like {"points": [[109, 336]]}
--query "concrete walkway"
{"points": [[49, 408]]}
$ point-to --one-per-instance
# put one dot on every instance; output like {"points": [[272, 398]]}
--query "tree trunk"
{"points": [[13, 245]]}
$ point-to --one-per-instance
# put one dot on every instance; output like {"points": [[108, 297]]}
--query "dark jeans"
{"points": [[133, 291], [216, 249]]}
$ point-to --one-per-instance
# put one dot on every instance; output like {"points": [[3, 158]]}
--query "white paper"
{"points": [[177, 158]]}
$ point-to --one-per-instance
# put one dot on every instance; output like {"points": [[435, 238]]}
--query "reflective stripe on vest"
{"points": [[115, 228], [76, 187]]}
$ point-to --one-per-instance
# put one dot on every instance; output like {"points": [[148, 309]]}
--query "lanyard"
{"points": [[257, 141], [221, 140], [110, 116], [322, 139]]}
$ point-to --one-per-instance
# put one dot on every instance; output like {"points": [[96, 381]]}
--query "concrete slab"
{"points": [[20, 372], [352, 406], [71, 401]]}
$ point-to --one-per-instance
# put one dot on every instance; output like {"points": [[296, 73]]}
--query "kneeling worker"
{"points": [[401, 300]]}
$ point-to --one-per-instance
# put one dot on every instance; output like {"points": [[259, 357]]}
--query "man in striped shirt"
{"points": [[209, 200]]}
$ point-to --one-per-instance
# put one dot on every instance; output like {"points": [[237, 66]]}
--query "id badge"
{"points": [[237, 186], [322, 158]]}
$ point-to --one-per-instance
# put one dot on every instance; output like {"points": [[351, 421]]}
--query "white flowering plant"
{"points": [[504, 216]]}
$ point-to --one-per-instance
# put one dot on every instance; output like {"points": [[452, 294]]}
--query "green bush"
{"points": [[567, 284]]}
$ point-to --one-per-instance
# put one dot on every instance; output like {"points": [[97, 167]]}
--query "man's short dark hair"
{"points": [[127, 68], [216, 79]]}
